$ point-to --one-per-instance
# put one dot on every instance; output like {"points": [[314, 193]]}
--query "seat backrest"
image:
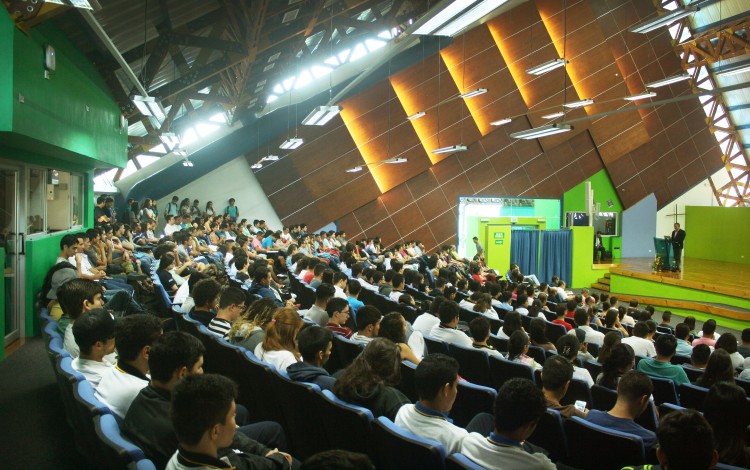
{"points": [[550, 435], [602, 398], [252, 376], [692, 373], [692, 396], [594, 368], [461, 462], [397, 448], [664, 391], [348, 426], [578, 390], [87, 406], [537, 353], [406, 384], [555, 331], [67, 378], [679, 359], [50, 329], [666, 408], [436, 346], [595, 447], [745, 384], [472, 399], [502, 370], [118, 451], [346, 350], [473, 363], [501, 344], [648, 419]]}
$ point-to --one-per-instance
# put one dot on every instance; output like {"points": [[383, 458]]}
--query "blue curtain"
{"points": [[524, 250], [557, 255]]}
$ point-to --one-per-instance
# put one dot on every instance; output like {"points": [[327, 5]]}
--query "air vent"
{"points": [[290, 16]]}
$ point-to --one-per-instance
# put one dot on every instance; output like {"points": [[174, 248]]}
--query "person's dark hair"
{"points": [[336, 304], [619, 362], [725, 409], [634, 385], [700, 354], [200, 402], [517, 343], [686, 429], [71, 295], [512, 323], [312, 340], [718, 369], [479, 328], [448, 311], [557, 371], [690, 321], [433, 373], [354, 287], [570, 305], [392, 327], [324, 292], [231, 296], [682, 331], [727, 342], [518, 403], [378, 364], [610, 317], [171, 352], [397, 279], [537, 331], [568, 347], [666, 316], [367, 315], [581, 317], [709, 327], [135, 332], [205, 291], [92, 326], [745, 337], [665, 345], [640, 329], [338, 459], [68, 240], [166, 261]]}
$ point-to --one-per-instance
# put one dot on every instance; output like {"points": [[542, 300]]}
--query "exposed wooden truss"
{"points": [[722, 43]]}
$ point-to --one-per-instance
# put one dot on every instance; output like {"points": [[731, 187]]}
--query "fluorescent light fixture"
{"points": [[390, 161], [321, 115], [187, 162], [444, 16], [663, 20], [500, 122], [83, 4], [171, 140], [291, 144], [451, 149], [669, 80], [355, 169], [548, 66], [149, 106], [473, 93], [416, 115], [553, 115], [467, 18], [579, 104], [640, 96], [394, 160], [542, 131], [181, 153], [256, 166], [736, 70], [270, 158]]}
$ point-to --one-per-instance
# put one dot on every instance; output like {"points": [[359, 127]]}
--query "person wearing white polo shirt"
{"points": [[640, 340], [582, 320], [447, 330], [94, 332], [134, 335]]}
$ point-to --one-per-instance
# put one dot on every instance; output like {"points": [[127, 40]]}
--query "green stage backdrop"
{"points": [[718, 233]]}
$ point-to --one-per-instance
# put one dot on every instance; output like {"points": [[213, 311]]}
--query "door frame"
{"points": [[18, 299]]}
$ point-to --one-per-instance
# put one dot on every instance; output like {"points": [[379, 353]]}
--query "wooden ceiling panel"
{"points": [[408, 219], [274, 177], [344, 199], [398, 197], [459, 186], [307, 215], [349, 224], [433, 204], [447, 169], [371, 213], [549, 188], [422, 184], [324, 150], [677, 183], [473, 156], [386, 230], [481, 176], [423, 234], [444, 228], [322, 181], [632, 191], [505, 161]]}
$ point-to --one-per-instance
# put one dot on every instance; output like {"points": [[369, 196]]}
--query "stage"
{"points": [[703, 288]]}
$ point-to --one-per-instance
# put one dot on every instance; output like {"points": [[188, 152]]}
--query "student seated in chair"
{"points": [[436, 381], [94, 332], [633, 392], [447, 330], [202, 412], [556, 376], [231, 306], [518, 408], [661, 366], [338, 314], [641, 340], [315, 344], [480, 332], [205, 295], [368, 324]]}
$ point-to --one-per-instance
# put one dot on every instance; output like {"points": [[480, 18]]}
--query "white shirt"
{"points": [[118, 389], [490, 313], [425, 322], [85, 263], [279, 359], [416, 343], [627, 320], [361, 339], [169, 229], [431, 427], [69, 342], [182, 293], [339, 292], [450, 335], [738, 362], [488, 455], [641, 346], [466, 304], [367, 285], [583, 374], [592, 336], [92, 370], [395, 295]]}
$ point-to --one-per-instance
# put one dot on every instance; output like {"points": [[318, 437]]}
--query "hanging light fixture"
{"points": [[321, 115], [640, 96], [270, 158], [554, 115], [391, 161], [669, 80], [548, 66], [663, 20], [416, 115], [149, 106], [542, 131], [170, 139], [473, 93], [501, 122], [451, 149], [291, 144], [579, 104]]}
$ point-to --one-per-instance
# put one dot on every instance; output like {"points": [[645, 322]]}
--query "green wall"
{"points": [[2, 304], [6, 73], [718, 233], [583, 275], [574, 200]]}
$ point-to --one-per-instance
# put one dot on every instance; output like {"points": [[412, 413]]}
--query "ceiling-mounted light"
{"points": [[663, 20], [394, 160], [149, 106], [500, 122], [457, 16], [256, 166], [733, 71], [83, 4], [547, 67], [473, 93], [542, 131], [553, 115], [355, 169], [187, 163], [579, 104], [640, 96], [451, 149], [416, 115], [321, 115], [270, 158], [170, 139], [669, 80], [291, 144]]}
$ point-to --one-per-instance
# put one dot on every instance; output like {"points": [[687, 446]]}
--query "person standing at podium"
{"points": [[678, 240]]}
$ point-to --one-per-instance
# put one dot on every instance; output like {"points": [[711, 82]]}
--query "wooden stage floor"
{"points": [[709, 276]]}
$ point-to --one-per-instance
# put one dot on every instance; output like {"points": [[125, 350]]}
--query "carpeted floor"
{"points": [[33, 431]]}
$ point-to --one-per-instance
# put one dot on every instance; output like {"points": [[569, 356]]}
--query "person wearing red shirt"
{"points": [[560, 320], [338, 311]]}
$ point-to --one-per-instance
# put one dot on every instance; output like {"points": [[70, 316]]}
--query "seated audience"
{"points": [[480, 333], [728, 342], [661, 365], [338, 459], [203, 418], [368, 324], [429, 319], [231, 306], [353, 288], [682, 333], [279, 347], [641, 340], [94, 332], [393, 327], [556, 376], [708, 338], [560, 311], [511, 323], [666, 317], [338, 314], [612, 321], [582, 319], [518, 346], [610, 340], [447, 330], [436, 381], [718, 369], [700, 355], [134, 336], [317, 313], [315, 344], [725, 409], [250, 329], [568, 347], [621, 360], [77, 296], [518, 408], [633, 392], [369, 381], [538, 334], [206, 295], [744, 348]]}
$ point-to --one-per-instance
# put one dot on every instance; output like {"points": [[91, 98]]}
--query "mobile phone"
{"points": [[580, 405]]}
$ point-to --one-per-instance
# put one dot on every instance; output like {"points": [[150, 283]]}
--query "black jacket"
{"points": [[303, 372]]}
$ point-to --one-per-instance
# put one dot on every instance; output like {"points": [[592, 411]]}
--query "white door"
{"points": [[12, 241]]}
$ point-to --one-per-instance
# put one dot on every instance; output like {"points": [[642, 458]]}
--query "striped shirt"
{"points": [[219, 327]]}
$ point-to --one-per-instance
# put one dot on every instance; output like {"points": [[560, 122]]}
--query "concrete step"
{"points": [[604, 287], [604, 280]]}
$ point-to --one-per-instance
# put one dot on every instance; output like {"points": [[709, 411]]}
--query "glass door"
{"points": [[12, 242]]}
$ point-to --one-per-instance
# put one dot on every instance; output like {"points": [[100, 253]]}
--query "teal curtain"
{"points": [[524, 250], [557, 255]]}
